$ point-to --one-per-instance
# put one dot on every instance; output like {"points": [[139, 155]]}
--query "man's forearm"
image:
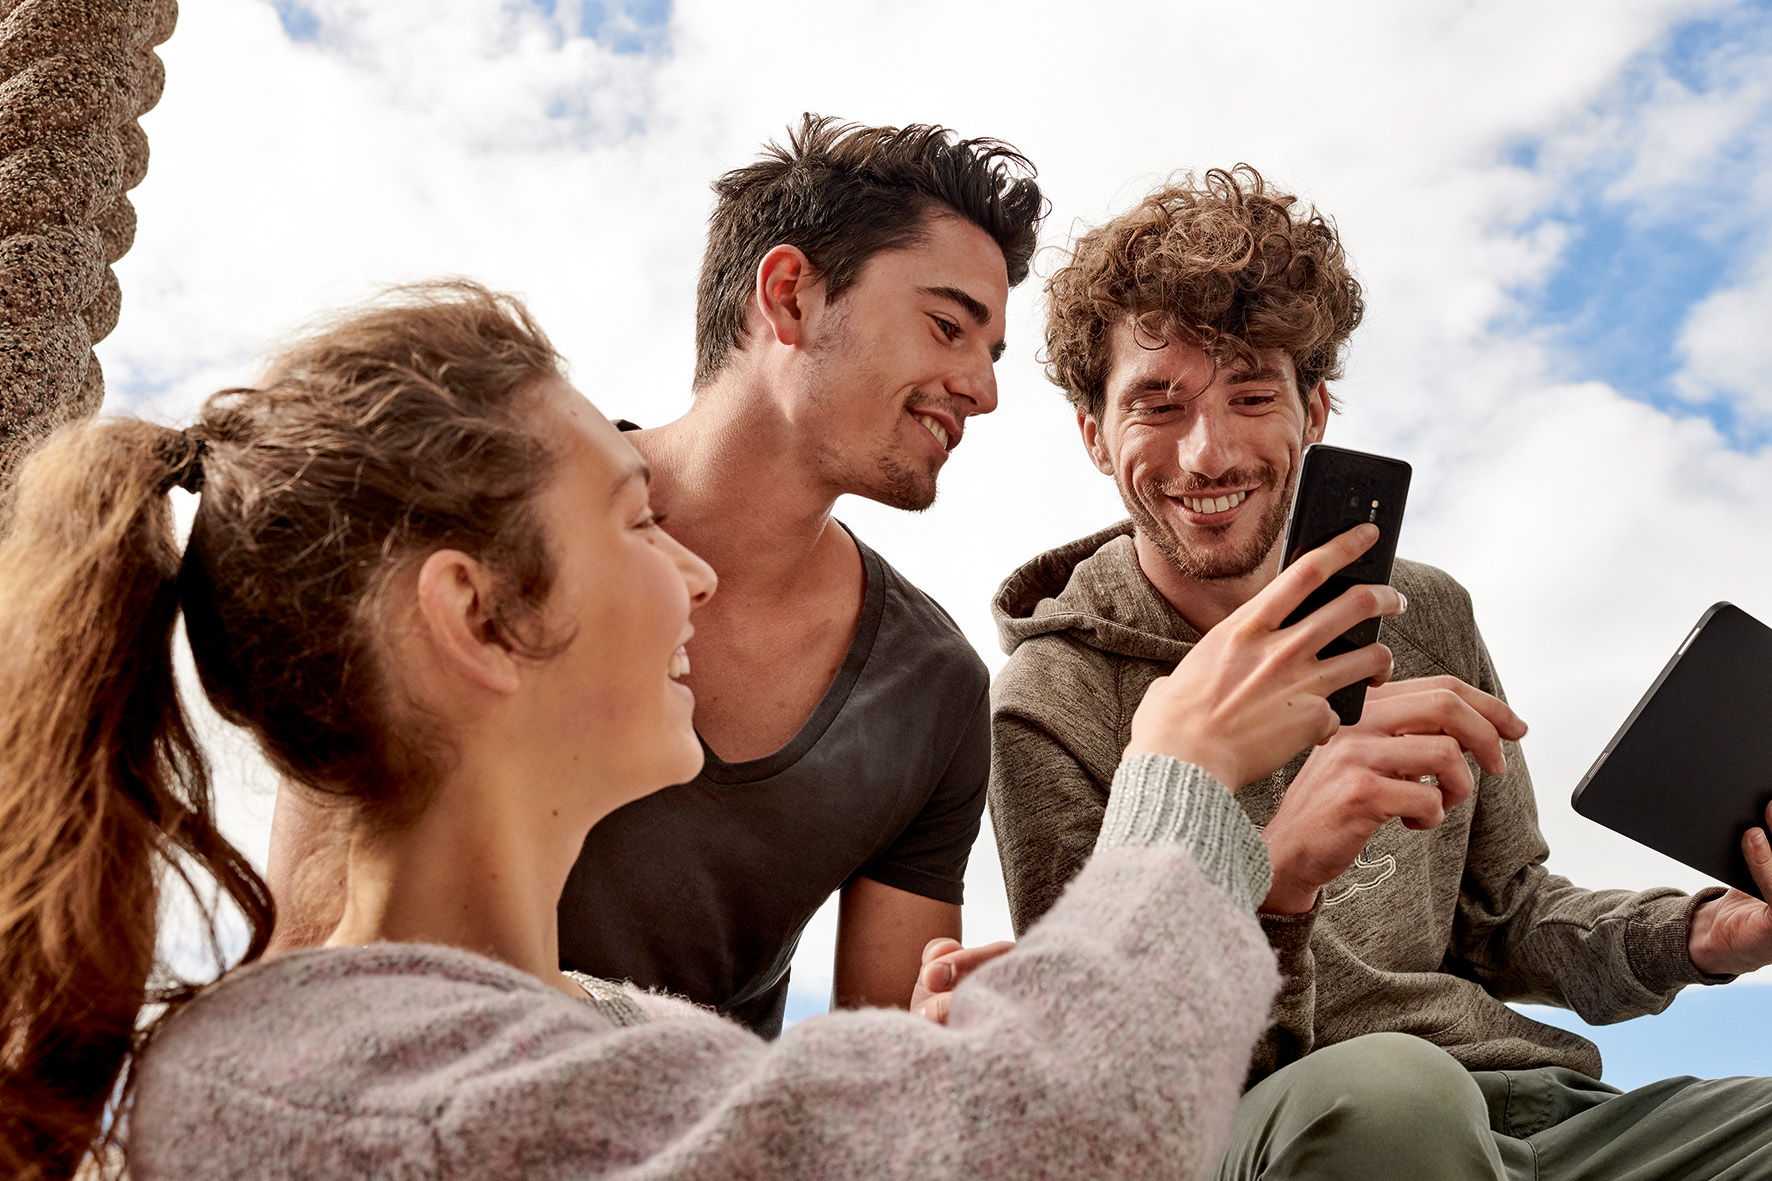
{"points": [[881, 933]]}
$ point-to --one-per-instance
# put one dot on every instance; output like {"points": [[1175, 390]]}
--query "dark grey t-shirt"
{"points": [[703, 889]]}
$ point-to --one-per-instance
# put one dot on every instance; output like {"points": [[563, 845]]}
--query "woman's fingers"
{"points": [[1353, 606], [1281, 596], [1241, 703]]}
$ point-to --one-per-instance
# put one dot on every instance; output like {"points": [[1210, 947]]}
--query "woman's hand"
{"points": [[1252, 694]]}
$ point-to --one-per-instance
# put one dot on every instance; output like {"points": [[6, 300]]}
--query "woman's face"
{"points": [[610, 704]]}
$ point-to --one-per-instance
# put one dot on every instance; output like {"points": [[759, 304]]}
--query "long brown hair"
{"points": [[380, 437]]}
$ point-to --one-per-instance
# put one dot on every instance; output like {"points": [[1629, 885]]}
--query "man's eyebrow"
{"points": [[1150, 385], [1265, 373], [980, 314], [638, 470]]}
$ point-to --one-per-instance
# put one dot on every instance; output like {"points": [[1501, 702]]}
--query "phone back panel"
{"points": [[1691, 769], [1338, 489]]}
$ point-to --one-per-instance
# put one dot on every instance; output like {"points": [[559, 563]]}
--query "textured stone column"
{"points": [[74, 76]]}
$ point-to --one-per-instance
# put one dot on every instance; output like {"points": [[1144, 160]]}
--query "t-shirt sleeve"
{"points": [[929, 857]]}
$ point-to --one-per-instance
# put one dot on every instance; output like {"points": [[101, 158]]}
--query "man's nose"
{"points": [[1206, 448], [977, 383]]}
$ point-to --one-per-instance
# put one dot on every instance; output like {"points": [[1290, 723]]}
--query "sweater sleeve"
{"points": [[1293, 1031], [1532, 935], [1112, 1041]]}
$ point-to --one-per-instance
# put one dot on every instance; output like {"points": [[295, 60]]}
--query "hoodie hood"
{"points": [[1092, 590]]}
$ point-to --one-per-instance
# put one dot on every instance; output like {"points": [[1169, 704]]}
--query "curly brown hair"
{"points": [[1223, 263]]}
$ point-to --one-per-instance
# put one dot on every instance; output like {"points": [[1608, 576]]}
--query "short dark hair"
{"points": [[1226, 263], [842, 193]]}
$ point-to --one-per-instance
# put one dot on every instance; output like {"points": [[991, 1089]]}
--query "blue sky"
{"points": [[1637, 262], [1706, 1032], [625, 26]]}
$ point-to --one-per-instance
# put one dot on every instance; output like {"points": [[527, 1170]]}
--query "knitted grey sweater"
{"points": [[1112, 1042]]}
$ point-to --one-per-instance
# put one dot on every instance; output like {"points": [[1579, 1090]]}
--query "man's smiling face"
{"points": [[908, 355], [1204, 457]]}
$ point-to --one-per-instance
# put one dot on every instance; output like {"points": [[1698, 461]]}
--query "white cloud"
{"points": [[1727, 341], [415, 139]]}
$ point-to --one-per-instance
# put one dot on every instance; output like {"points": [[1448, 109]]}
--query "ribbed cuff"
{"points": [[1290, 934], [1157, 800], [1656, 942]]}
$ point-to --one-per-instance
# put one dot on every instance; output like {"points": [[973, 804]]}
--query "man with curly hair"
{"points": [[1195, 337]]}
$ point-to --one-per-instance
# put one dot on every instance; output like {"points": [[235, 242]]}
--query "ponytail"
{"points": [[103, 789]]}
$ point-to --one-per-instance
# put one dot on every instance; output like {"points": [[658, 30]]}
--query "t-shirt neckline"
{"points": [[873, 603]]}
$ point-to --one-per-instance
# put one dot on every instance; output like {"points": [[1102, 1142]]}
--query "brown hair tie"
{"points": [[184, 453]]}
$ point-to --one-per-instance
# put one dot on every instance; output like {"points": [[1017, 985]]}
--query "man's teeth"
{"points": [[679, 664], [935, 428], [1214, 504]]}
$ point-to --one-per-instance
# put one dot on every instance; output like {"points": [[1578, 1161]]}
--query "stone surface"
{"points": [[74, 77]]}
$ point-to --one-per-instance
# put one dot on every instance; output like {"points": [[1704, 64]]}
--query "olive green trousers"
{"points": [[1393, 1106]]}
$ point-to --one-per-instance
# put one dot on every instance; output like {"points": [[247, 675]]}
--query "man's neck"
{"points": [[1203, 603], [738, 491]]}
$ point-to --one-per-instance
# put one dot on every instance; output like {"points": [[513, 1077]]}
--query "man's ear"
{"points": [[788, 289], [1098, 452], [454, 604], [1316, 406]]}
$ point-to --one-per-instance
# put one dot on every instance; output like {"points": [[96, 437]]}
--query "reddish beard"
{"points": [[1211, 564]]}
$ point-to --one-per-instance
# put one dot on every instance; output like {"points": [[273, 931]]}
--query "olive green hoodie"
{"points": [[1428, 933]]}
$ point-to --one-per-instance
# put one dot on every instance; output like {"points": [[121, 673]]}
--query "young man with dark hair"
{"points": [[849, 315], [1195, 336]]}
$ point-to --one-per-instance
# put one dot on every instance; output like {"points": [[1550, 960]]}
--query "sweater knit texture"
{"points": [[1428, 933], [1110, 1043]]}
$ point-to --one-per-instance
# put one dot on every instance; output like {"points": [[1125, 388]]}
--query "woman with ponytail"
{"points": [[423, 575], [101, 783]]}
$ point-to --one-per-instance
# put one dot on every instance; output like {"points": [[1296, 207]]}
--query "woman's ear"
{"points": [[455, 596]]}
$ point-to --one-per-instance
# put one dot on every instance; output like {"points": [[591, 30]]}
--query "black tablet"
{"points": [[1691, 768]]}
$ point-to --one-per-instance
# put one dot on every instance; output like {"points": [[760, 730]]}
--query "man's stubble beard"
{"points": [[1239, 563], [893, 482], [888, 479], [898, 486]]}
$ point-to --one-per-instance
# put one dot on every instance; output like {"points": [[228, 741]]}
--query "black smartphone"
{"points": [[1338, 489]]}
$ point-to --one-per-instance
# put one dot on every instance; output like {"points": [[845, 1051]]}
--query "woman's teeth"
{"points": [[1211, 504], [679, 664], [935, 428]]}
